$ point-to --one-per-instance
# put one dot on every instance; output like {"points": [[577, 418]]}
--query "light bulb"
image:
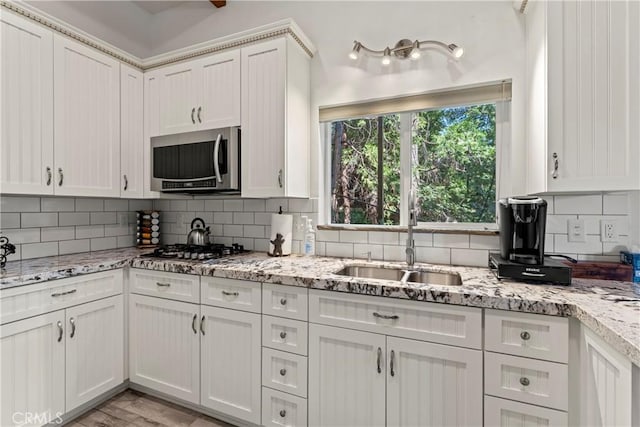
{"points": [[456, 50], [415, 54], [356, 50], [415, 50], [353, 55], [386, 59]]}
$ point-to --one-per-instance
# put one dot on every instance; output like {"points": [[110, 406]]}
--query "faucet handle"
{"points": [[368, 254]]}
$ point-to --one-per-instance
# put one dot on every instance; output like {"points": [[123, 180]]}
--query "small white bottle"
{"points": [[309, 240]]}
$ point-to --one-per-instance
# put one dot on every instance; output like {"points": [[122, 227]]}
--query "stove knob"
{"points": [[201, 256], [194, 255]]}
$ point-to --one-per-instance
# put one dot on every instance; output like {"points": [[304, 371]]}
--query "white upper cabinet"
{"points": [[87, 121], [275, 120], [131, 131], [26, 141], [583, 95], [194, 95]]}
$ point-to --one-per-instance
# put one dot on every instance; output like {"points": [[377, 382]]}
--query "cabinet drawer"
{"points": [[284, 371], [231, 293], [527, 335], [507, 413], [175, 286], [446, 324], [285, 334], [32, 300], [285, 301], [526, 380], [281, 409]]}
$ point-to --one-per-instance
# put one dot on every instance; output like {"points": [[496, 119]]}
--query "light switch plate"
{"points": [[575, 228]]}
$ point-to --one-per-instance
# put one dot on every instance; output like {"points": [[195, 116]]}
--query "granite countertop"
{"points": [[609, 308]]}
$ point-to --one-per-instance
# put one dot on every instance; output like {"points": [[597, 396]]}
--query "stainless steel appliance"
{"points": [[210, 252], [198, 236], [196, 162]]}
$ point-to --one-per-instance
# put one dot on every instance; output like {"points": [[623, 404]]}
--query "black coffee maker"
{"points": [[522, 227], [522, 222]]}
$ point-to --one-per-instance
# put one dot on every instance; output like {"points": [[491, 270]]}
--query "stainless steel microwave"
{"points": [[196, 162]]}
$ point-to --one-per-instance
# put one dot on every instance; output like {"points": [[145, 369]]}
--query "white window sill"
{"points": [[441, 228]]}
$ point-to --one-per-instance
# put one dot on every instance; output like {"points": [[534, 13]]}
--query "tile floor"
{"points": [[131, 408]]}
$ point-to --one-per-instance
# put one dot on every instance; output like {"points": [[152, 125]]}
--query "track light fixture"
{"points": [[405, 48]]}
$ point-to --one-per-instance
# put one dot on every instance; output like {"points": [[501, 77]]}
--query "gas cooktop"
{"points": [[194, 252]]}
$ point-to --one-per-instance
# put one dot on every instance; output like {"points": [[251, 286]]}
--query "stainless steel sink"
{"points": [[401, 275]]}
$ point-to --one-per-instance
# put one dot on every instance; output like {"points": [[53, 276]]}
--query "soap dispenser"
{"points": [[309, 240]]}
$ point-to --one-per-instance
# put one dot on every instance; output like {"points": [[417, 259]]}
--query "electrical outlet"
{"points": [[576, 230], [608, 231]]}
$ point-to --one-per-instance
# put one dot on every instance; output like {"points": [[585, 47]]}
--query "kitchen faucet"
{"points": [[413, 221]]}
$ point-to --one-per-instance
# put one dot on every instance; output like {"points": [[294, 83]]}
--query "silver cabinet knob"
{"points": [[525, 335], [525, 381], [283, 301], [283, 334], [283, 372], [283, 413]]}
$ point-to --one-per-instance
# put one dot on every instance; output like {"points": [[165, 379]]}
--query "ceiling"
{"points": [[154, 6]]}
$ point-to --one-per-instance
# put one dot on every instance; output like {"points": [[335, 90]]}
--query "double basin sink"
{"points": [[402, 275]]}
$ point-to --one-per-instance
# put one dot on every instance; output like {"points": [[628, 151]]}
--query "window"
{"points": [[447, 153]]}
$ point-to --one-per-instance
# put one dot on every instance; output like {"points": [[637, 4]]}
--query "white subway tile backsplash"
{"points": [[341, 250], [420, 239], [43, 219], [592, 245], [261, 245], [383, 238], [73, 218], [207, 217], [248, 243], [53, 234], [126, 241], [349, 236], [233, 205], [615, 204], [473, 257], [9, 220], [328, 235], [104, 243], [57, 204], [195, 205], [140, 205], [254, 231], [321, 249], [217, 229], [162, 205], [243, 218], [433, 255], [89, 231], [111, 230], [103, 218], [116, 205], [548, 243], [589, 204], [19, 204], [254, 205], [261, 218], [558, 224], [223, 217], [25, 235], [38, 250], [362, 251], [451, 240], [75, 246], [301, 205], [213, 205], [484, 242], [178, 205], [233, 230], [273, 205], [394, 253], [89, 205]]}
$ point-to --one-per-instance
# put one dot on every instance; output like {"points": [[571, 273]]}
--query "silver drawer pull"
{"points": [[193, 323], [202, 325], [525, 381], [59, 294], [525, 335], [391, 360], [386, 316], [283, 334], [61, 177], [283, 372], [283, 413], [49, 175], [60, 331], [73, 327], [379, 360], [230, 294], [283, 301], [164, 285]]}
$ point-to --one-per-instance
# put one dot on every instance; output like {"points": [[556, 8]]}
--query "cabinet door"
{"points": [[151, 126], [164, 346], [231, 361], [32, 369], [508, 413], [263, 119], [87, 121], [95, 350], [177, 99], [26, 135], [594, 95], [606, 383], [218, 88], [131, 132], [433, 384], [346, 377]]}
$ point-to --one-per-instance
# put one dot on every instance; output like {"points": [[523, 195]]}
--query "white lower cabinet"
{"points": [[231, 342], [507, 413], [346, 377], [32, 370], [164, 346], [95, 349], [282, 409]]}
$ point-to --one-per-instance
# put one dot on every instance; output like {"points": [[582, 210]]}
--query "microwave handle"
{"points": [[216, 155]]}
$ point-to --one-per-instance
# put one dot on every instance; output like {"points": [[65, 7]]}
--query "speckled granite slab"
{"points": [[608, 308]]}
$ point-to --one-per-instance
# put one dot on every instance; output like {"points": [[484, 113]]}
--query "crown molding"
{"points": [[270, 31]]}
